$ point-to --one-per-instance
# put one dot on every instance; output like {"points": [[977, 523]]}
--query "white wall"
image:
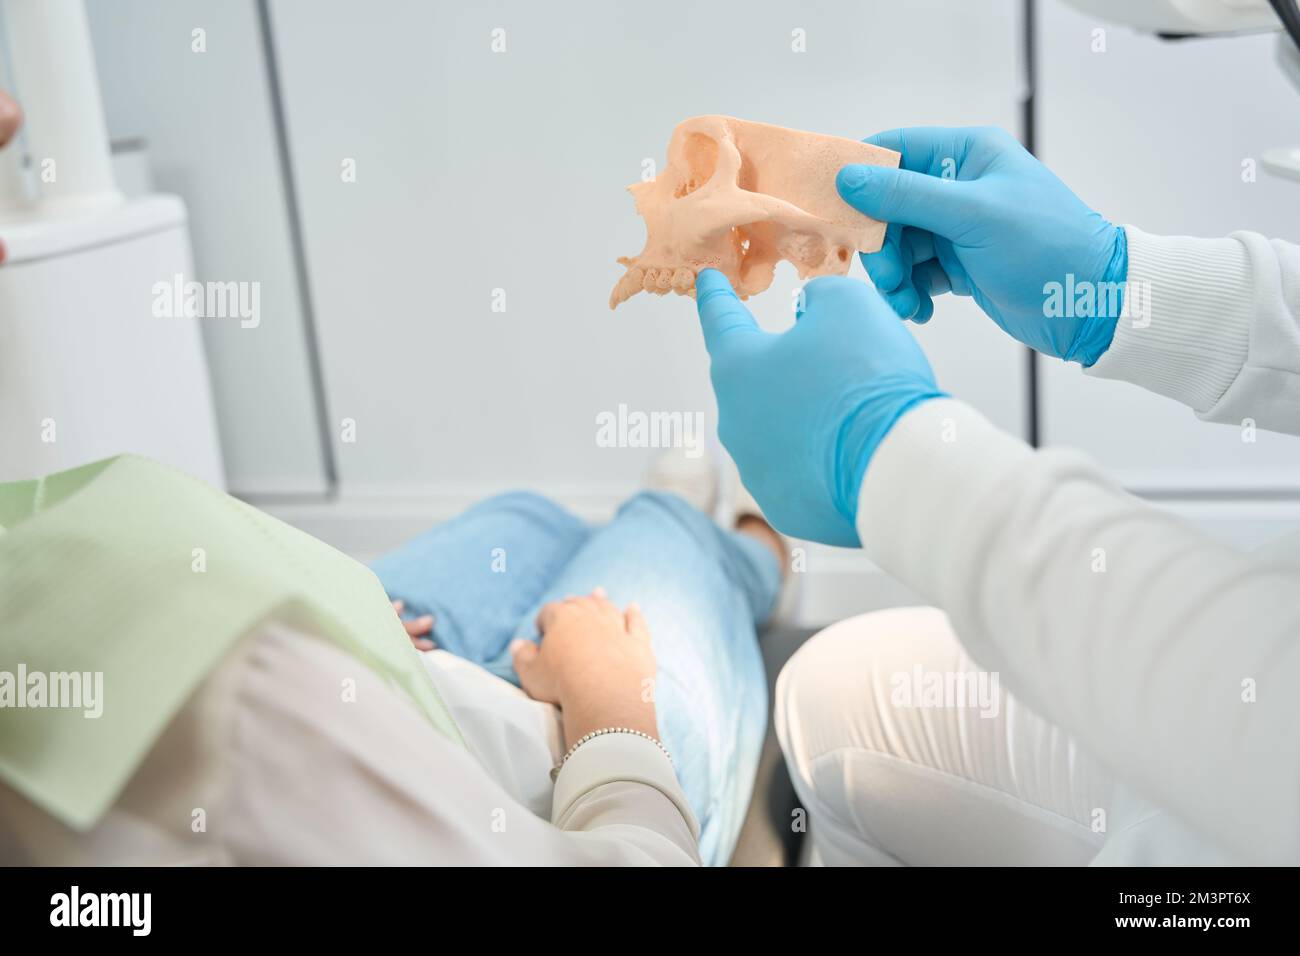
{"points": [[478, 171], [207, 118], [1154, 133]]}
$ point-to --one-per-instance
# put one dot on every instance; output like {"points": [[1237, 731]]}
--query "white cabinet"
{"points": [[90, 367]]}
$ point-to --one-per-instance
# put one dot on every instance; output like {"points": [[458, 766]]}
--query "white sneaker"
{"points": [[693, 479]]}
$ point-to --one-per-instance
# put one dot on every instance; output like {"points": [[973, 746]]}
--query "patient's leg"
{"points": [[477, 573], [701, 589]]}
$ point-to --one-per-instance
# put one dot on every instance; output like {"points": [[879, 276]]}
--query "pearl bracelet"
{"points": [[555, 771]]}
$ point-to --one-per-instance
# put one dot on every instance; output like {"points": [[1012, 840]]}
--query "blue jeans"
{"points": [[486, 573]]}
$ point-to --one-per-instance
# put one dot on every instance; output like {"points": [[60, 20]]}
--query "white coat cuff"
{"points": [[1186, 328], [617, 758]]}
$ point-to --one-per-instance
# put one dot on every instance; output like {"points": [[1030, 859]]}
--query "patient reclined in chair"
{"points": [[262, 703]]}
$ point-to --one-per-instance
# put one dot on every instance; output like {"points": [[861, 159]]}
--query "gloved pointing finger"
{"points": [[803, 412]]}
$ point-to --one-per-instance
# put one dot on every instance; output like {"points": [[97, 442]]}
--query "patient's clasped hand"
{"points": [[596, 664]]}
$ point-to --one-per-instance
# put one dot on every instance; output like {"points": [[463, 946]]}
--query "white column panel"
{"points": [[207, 117], [479, 170], [1155, 133]]}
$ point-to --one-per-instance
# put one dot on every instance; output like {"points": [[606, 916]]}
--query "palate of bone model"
{"points": [[740, 197]]}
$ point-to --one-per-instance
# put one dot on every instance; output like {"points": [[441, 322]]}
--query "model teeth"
{"points": [[659, 280]]}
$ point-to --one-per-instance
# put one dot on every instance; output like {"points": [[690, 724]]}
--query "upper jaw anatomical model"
{"points": [[739, 197]]}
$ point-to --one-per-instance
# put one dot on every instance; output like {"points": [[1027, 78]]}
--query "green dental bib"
{"points": [[135, 570]]}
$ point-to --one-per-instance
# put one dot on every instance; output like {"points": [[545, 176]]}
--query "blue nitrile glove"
{"points": [[803, 411], [971, 212]]}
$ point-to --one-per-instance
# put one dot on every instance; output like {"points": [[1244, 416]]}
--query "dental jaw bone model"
{"points": [[740, 197]]}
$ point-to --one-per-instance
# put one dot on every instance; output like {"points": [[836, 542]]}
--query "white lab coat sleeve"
{"points": [[318, 777], [1214, 324], [1172, 659]]}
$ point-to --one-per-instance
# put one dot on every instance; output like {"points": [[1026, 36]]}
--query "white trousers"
{"points": [[899, 759]]}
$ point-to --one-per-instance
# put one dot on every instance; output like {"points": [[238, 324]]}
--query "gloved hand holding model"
{"points": [[1128, 686], [803, 411], [972, 212]]}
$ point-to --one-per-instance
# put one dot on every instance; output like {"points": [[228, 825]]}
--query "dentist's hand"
{"points": [[971, 212], [802, 412], [11, 118]]}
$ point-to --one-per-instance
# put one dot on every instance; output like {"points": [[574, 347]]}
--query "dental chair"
{"points": [[767, 837]]}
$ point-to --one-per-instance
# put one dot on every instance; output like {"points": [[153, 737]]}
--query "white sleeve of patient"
{"points": [[320, 777]]}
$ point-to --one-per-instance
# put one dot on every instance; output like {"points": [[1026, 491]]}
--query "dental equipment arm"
{"points": [[1181, 18], [1171, 658]]}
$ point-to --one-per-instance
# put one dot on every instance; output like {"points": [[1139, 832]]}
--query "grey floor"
{"points": [[767, 837]]}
